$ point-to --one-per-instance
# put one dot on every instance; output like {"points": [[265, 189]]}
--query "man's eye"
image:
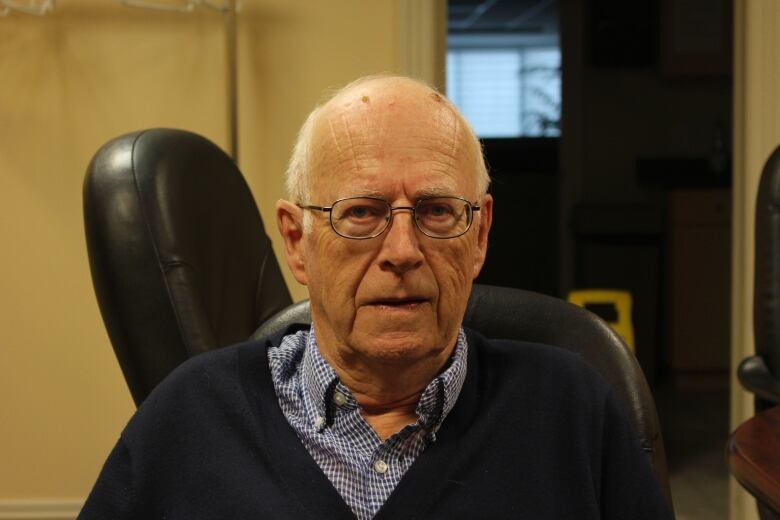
{"points": [[435, 210], [360, 212], [439, 210]]}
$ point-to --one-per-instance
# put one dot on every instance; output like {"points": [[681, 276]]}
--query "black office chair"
{"points": [[504, 313], [760, 374], [181, 265], [179, 258]]}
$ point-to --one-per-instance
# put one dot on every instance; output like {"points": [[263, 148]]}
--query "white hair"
{"points": [[298, 175]]}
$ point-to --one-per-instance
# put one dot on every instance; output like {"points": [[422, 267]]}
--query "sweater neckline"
{"points": [[308, 484]]}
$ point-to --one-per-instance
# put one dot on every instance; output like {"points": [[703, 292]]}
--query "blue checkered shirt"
{"points": [[363, 468]]}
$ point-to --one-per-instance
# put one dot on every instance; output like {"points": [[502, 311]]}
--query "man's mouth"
{"points": [[399, 302]]}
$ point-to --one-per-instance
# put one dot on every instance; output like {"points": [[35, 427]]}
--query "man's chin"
{"points": [[397, 346], [395, 323], [396, 354]]}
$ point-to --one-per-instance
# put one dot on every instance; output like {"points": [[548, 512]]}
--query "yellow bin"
{"points": [[612, 305]]}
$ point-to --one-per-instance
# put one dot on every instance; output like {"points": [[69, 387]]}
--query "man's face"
{"points": [[399, 297]]}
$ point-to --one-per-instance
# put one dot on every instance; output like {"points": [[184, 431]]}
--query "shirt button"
{"points": [[339, 398], [318, 422], [380, 466]]}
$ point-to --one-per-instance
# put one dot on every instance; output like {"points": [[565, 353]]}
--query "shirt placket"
{"points": [[365, 445]]}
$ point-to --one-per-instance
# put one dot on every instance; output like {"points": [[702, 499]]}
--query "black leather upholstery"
{"points": [[180, 260], [760, 374], [504, 313]]}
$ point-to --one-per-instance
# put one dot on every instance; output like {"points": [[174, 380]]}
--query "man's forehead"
{"points": [[385, 104], [386, 91], [359, 127]]}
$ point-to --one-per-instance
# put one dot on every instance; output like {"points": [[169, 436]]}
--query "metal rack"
{"points": [[182, 6], [33, 7], [229, 10]]}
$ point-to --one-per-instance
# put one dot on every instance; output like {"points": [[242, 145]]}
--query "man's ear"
{"points": [[484, 219], [289, 219]]}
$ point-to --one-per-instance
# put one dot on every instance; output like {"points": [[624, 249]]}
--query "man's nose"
{"points": [[401, 246]]}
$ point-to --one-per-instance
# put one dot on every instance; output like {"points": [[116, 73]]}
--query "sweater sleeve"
{"points": [[113, 495], [629, 488]]}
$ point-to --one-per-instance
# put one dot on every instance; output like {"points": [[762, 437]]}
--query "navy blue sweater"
{"points": [[535, 434]]}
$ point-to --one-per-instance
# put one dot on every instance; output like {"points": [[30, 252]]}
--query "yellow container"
{"points": [[612, 305]]}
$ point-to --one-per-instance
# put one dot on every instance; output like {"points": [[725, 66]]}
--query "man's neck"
{"points": [[387, 420], [388, 390], [388, 397], [388, 394]]}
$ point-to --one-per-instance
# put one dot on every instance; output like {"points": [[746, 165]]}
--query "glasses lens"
{"points": [[443, 217], [360, 217]]}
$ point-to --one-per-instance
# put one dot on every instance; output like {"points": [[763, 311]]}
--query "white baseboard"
{"points": [[40, 509]]}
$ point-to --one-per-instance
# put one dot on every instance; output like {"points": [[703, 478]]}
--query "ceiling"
{"points": [[503, 16]]}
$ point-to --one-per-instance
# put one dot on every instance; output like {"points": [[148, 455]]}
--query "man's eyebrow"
{"points": [[434, 192], [365, 192], [420, 194]]}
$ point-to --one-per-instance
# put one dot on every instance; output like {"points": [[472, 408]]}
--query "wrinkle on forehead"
{"points": [[360, 133], [450, 124], [351, 140]]}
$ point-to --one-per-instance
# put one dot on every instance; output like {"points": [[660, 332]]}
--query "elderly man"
{"points": [[385, 407]]}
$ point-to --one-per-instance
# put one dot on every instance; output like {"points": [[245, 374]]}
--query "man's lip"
{"points": [[398, 301]]}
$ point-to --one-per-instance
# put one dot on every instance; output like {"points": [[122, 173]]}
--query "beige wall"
{"points": [[69, 82], [756, 134]]}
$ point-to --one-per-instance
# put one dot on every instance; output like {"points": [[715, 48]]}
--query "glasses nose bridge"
{"points": [[392, 210]]}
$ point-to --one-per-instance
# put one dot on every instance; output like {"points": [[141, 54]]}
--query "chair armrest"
{"points": [[755, 377]]}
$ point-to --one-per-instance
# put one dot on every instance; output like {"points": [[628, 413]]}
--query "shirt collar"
{"points": [[321, 382]]}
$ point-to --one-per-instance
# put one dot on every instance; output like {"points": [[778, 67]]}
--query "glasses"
{"points": [[361, 218]]}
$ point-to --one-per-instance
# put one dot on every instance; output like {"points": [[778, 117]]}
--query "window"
{"points": [[506, 91]]}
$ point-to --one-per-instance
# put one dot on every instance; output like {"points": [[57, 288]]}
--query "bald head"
{"points": [[355, 127]]}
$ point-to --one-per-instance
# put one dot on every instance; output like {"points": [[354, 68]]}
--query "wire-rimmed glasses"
{"points": [[361, 218]]}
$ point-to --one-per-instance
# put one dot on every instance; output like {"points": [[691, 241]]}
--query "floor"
{"points": [[695, 421]]}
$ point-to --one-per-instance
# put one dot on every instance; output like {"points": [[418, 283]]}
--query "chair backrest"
{"points": [[504, 313], [180, 260], [761, 373]]}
